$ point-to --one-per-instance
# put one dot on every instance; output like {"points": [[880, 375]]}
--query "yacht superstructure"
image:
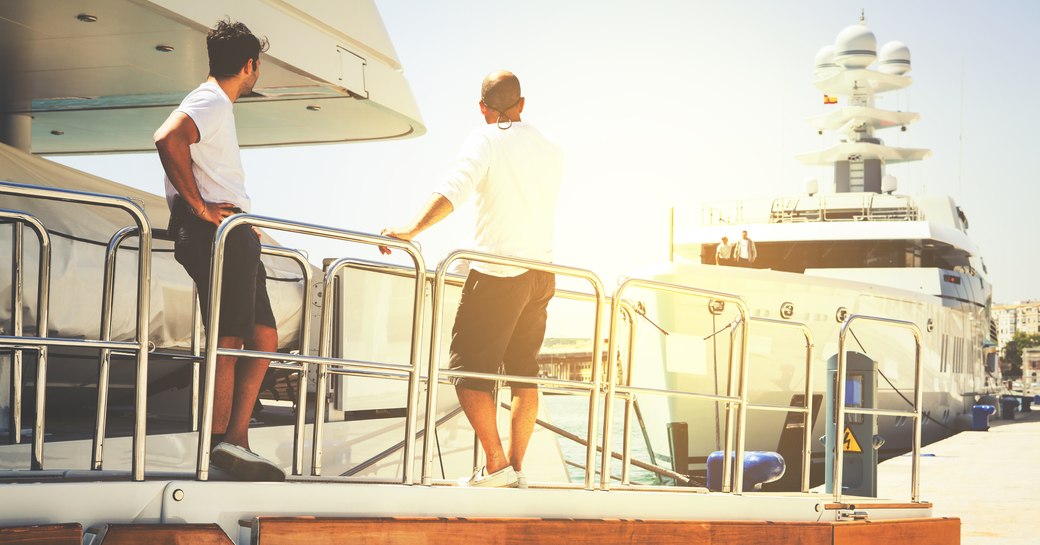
{"points": [[823, 256]]}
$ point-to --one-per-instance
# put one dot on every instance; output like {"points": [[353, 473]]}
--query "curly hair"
{"points": [[231, 45]]}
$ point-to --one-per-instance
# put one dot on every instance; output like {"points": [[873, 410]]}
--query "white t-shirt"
{"points": [[215, 158], [515, 174]]}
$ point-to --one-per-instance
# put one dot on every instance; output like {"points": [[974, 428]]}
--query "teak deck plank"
{"points": [[165, 534], [939, 531], [450, 531], [56, 534]]}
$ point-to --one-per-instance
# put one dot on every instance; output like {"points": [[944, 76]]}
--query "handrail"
{"points": [[806, 407], [143, 295], [42, 307], [305, 340], [435, 358], [841, 410], [457, 280], [325, 350], [212, 351], [105, 359], [613, 389]]}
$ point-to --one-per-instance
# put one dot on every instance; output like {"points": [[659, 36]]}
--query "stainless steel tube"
{"points": [[42, 305], [806, 407], [105, 358], [613, 389], [840, 410], [216, 275], [435, 359], [143, 293], [17, 286], [304, 340]]}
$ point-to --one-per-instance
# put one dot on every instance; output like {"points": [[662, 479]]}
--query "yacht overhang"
{"points": [[101, 76]]}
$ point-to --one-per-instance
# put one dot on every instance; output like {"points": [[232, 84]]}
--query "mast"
{"points": [[843, 71]]}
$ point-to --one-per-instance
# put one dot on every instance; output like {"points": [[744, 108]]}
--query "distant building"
{"points": [[1021, 317], [567, 359]]}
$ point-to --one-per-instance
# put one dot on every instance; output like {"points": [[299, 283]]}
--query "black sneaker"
{"points": [[245, 464]]}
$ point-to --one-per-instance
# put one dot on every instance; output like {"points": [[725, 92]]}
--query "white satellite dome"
{"points": [[855, 47], [825, 65], [894, 58], [812, 186], [888, 183]]}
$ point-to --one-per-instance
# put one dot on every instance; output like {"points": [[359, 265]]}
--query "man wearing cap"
{"points": [[515, 173]]}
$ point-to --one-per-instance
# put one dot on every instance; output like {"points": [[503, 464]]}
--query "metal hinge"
{"points": [[845, 514]]}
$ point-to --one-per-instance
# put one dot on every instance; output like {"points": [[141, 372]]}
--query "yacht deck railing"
{"points": [[736, 398], [139, 345]]}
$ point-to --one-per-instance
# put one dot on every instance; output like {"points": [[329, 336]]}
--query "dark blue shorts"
{"points": [[243, 298], [500, 321]]}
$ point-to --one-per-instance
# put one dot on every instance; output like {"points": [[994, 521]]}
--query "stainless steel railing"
{"points": [[212, 351], [841, 410], [736, 401], [20, 219], [806, 407], [411, 372], [594, 387], [139, 345], [458, 281], [105, 358]]}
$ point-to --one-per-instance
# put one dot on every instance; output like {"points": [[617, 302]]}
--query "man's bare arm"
{"points": [[173, 141], [436, 209]]}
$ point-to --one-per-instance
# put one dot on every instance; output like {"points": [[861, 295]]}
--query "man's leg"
{"points": [[224, 386], [524, 412], [479, 407], [248, 376]]}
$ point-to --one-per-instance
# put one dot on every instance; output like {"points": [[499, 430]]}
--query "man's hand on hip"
{"points": [[215, 212]]}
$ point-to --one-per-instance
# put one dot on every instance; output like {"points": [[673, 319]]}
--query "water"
{"points": [[570, 412]]}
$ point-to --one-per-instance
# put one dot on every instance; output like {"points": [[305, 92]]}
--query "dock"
{"points": [[987, 479]]}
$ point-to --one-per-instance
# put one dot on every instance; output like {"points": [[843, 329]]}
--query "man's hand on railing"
{"points": [[394, 232]]}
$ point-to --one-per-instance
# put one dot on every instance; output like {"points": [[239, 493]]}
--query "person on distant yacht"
{"points": [[724, 252], [745, 252], [515, 173], [205, 183]]}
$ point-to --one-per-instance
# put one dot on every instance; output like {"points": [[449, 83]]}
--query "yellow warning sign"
{"points": [[849, 443]]}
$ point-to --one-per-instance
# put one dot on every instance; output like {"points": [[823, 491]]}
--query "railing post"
{"points": [[105, 359], [17, 285]]}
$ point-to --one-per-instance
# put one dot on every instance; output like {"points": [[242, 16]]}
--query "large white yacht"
{"points": [[822, 256], [105, 375]]}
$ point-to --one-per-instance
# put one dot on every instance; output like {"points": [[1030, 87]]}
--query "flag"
{"points": [[827, 99]]}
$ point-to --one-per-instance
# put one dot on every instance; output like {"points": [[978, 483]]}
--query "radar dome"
{"points": [[825, 65], [894, 58], [855, 47], [888, 184], [812, 186]]}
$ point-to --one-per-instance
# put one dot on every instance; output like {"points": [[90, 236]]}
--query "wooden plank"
{"points": [[451, 531], [937, 531], [57, 534], [164, 534]]}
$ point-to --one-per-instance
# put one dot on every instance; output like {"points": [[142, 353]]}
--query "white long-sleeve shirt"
{"points": [[515, 174]]}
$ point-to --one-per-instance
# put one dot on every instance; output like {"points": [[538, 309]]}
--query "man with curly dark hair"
{"points": [[205, 183]]}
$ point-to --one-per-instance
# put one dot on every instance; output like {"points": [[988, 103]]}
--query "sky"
{"points": [[660, 104]]}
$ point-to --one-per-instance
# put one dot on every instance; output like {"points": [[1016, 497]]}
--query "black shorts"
{"points": [[501, 320], [243, 297]]}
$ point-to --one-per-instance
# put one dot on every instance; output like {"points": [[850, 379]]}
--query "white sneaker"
{"points": [[503, 478], [245, 464], [521, 479]]}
